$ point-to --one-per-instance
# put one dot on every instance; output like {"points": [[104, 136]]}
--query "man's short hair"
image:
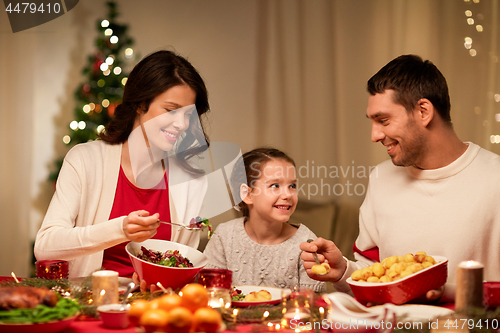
{"points": [[412, 78]]}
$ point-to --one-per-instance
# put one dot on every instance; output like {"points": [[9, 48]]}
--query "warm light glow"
{"points": [[66, 139], [466, 0], [235, 312], [114, 39], [124, 80], [472, 52], [496, 97], [468, 40], [82, 125], [468, 46], [110, 60], [479, 28], [117, 70], [108, 32], [104, 67], [128, 53], [321, 310], [105, 103], [468, 13], [470, 21], [497, 117], [73, 125], [103, 292], [86, 108], [106, 72], [266, 314], [105, 23], [100, 83], [100, 128], [497, 138], [92, 106], [476, 1]]}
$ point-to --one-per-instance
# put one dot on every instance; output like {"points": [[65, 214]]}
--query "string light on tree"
{"points": [[97, 97]]}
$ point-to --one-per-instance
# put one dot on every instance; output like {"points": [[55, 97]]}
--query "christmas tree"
{"points": [[97, 98]]}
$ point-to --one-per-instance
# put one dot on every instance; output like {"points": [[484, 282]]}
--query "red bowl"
{"points": [[491, 294], [404, 290], [173, 277]]}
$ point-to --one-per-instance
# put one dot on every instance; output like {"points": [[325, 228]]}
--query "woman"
{"points": [[114, 190]]}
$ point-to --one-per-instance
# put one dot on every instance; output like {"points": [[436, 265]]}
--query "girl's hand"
{"points": [[327, 252], [143, 284], [139, 226]]}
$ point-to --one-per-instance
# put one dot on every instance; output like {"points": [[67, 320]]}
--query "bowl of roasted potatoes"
{"points": [[399, 279]]}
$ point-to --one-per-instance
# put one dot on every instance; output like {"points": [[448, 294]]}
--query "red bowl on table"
{"points": [[405, 289], [173, 277]]}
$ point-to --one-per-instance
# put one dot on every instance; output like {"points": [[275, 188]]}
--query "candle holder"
{"points": [[218, 285], [469, 290], [104, 287], [52, 269], [296, 308]]}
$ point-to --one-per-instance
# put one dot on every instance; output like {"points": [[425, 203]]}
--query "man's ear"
{"points": [[424, 111], [245, 194]]}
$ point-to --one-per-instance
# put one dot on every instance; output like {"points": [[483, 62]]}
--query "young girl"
{"points": [[262, 248]]}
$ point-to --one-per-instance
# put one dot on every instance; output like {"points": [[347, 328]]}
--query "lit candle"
{"points": [[104, 287], [469, 290]]}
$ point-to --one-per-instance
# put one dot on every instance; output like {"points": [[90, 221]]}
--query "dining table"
{"points": [[86, 323]]}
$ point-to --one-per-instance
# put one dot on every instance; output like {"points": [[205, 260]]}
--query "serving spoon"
{"points": [[130, 286], [319, 268]]}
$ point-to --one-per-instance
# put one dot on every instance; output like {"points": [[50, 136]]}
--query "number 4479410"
{"points": [[31, 7], [471, 323]]}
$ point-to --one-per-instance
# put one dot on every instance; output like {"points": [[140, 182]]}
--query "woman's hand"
{"points": [[327, 251], [139, 226], [143, 284]]}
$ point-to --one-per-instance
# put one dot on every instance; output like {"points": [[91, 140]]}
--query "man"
{"points": [[439, 194]]}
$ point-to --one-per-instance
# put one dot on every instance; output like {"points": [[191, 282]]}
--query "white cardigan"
{"points": [[76, 226]]}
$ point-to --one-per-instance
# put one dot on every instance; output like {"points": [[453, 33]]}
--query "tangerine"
{"points": [[194, 296], [206, 320], [154, 320], [137, 308], [168, 302], [180, 320]]}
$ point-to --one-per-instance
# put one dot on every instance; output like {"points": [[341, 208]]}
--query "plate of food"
{"points": [[25, 309], [243, 296]]}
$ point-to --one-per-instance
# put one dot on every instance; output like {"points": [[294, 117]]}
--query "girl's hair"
{"points": [[151, 77], [253, 162]]}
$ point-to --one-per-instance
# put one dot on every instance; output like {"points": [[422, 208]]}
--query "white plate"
{"points": [[275, 295], [419, 312]]}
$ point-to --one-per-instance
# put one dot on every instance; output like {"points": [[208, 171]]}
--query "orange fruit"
{"points": [[206, 320], [180, 320], [137, 308], [194, 296], [154, 320], [168, 302]]}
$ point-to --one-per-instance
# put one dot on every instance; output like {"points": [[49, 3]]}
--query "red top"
{"points": [[129, 198]]}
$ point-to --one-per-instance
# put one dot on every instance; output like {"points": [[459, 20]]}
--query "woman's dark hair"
{"points": [[253, 162], [151, 77], [412, 78]]}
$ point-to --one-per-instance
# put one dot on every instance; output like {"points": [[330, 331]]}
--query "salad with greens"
{"points": [[169, 258]]}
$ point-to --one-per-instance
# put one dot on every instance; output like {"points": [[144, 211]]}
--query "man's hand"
{"points": [[139, 226], [327, 252]]}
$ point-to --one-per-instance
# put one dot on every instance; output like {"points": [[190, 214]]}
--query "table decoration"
{"points": [[104, 287], [469, 289], [52, 269], [217, 282]]}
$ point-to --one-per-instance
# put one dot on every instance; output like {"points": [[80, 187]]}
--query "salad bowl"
{"points": [[173, 277]]}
